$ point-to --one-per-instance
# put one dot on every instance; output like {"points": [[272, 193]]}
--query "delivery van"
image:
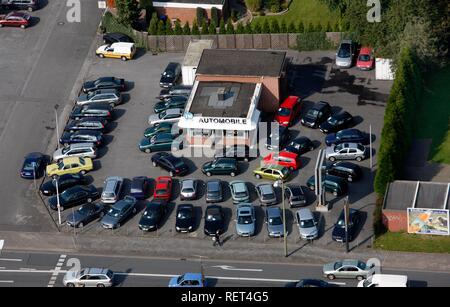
{"points": [[384, 280], [124, 51]]}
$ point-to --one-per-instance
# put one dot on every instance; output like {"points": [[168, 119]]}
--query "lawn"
{"points": [[307, 11], [432, 119], [404, 242]]}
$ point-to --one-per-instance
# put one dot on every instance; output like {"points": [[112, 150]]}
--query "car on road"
{"points": [[307, 226], [295, 195], [109, 96], [139, 188], [163, 188], [221, 166], [15, 19], [73, 196], [239, 191], [284, 158], [112, 189], [64, 182], [176, 166], [366, 59], [89, 277], [120, 50], [70, 166], [384, 281], [173, 103], [188, 280], [185, 218], [161, 128], [350, 268], [33, 166], [346, 151], [167, 116], [277, 140], [337, 122], [239, 152], [160, 142], [316, 115], [188, 189], [29, 5], [87, 123], [119, 212], [289, 111], [85, 214], [97, 110], [76, 150], [153, 215], [103, 83], [347, 170], [300, 145], [214, 191], [312, 283], [245, 220], [345, 54], [274, 222], [332, 184], [338, 233], [82, 136], [347, 136], [116, 37], [171, 75], [266, 194], [272, 172], [214, 220]]}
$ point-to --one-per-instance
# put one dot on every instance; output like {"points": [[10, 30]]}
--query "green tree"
{"points": [[275, 26], [205, 29], [311, 28], [301, 27], [230, 27], [253, 5], [283, 26], [319, 27], [147, 5], [257, 28], [186, 29], [161, 28], [178, 29], [240, 28], [328, 28], [169, 29], [214, 16], [248, 28], [128, 12], [222, 29], [200, 15], [265, 27], [212, 29], [336, 27], [292, 28], [195, 30], [153, 27]]}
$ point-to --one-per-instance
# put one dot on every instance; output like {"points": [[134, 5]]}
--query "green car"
{"points": [[332, 184], [221, 166], [161, 128], [160, 142], [272, 172], [170, 104]]}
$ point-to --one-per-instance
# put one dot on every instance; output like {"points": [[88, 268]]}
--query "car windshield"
{"points": [[65, 150], [240, 194], [150, 214], [340, 134], [344, 51], [332, 121], [361, 147], [179, 164], [312, 113], [184, 214], [246, 219], [364, 57], [267, 195], [284, 112], [213, 217], [337, 265], [113, 212], [84, 210], [168, 73], [29, 166], [307, 223], [275, 221], [162, 114]]}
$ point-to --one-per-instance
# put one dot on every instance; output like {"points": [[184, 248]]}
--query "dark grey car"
{"points": [[110, 96], [214, 191], [119, 212], [85, 214], [274, 222], [266, 193]]}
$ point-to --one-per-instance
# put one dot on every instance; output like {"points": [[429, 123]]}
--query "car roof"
{"points": [[72, 160], [193, 276], [353, 262], [188, 183], [320, 105], [305, 213], [172, 65], [96, 271], [174, 111], [289, 102], [273, 166], [185, 206], [122, 44], [345, 164], [17, 14], [265, 187], [86, 132], [120, 204], [81, 145], [346, 41], [238, 183], [214, 208], [348, 145], [106, 91], [273, 212]]}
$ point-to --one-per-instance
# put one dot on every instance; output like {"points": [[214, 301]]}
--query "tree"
{"points": [[186, 29], [222, 29], [230, 27], [253, 5], [178, 29], [200, 15], [240, 28], [248, 28], [265, 27], [153, 27], [301, 27], [205, 29], [214, 16], [257, 28], [319, 27], [212, 29], [283, 26], [147, 5], [195, 29], [128, 12], [310, 28], [161, 28], [169, 29], [328, 28], [275, 26]]}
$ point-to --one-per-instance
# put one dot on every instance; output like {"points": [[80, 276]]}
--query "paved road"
{"points": [[37, 269], [38, 67]]}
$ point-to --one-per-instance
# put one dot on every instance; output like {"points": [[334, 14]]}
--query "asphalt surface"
{"points": [[38, 68]]}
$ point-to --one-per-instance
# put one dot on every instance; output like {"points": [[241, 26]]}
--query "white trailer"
{"points": [[192, 58], [384, 69]]}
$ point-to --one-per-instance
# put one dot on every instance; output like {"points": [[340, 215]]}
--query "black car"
{"points": [[221, 166], [174, 102], [115, 37], [98, 110], [170, 75], [104, 83], [33, 166], [316, 115], [64, 182], [82, 136], [312, 283], [337, 122], [139, 187], [277, 140], [153, 215], [214, 191], [74, 196], [300, 145], [86, 214], [185, 220], [214, 220], [347, 170], [347, 136], [174, 165], [29, 5], [239, 152], [338, 233], [87, 123]]}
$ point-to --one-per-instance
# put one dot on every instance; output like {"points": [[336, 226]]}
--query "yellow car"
{"points": [[272, 172], [124, 51], [73, 165]]}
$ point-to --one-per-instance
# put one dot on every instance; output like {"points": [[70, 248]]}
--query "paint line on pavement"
{"points": [[12, 260], [56, 271], [6, 281], [27, 269]]}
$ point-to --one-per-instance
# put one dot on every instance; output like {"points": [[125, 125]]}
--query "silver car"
{"points": [[188, 189], [112, 189], [76, 150], [89, 277], [307, 226], [167, 116], [346, 151], [239, 191], [245, 220], [274, 222], [110, 96], [345, 53], [266, 193], [347, 269]]}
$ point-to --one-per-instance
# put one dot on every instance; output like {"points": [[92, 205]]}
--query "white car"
{"points": [[89, 277], [169, 115], [307, 226], [112, 189], [76, 150], [346, 151]]}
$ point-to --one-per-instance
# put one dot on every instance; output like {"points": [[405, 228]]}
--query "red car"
{"points": [[163, 188], [284, 158], [366, 60], [15, 19], [289, 111]]}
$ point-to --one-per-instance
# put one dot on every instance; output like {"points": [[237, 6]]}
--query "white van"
{"points": [[124, 51], [385, 280]]}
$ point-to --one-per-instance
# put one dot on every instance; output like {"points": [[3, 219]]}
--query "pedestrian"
{"points": [[217, 238]]}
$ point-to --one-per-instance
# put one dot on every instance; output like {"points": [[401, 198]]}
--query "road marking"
{"points": [[13, 260], [6, 281], [56, 271], [27, 269], [232, 268], [2, 243], [2, 267]]}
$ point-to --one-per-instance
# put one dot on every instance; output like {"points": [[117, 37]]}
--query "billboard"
{"points": [[428, 221]]}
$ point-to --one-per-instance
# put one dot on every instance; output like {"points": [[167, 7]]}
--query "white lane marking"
{"points": [[56, 271], [27, 269], [6, 281], [2, 243], [232, 268], [12, 260], [2, 268]]}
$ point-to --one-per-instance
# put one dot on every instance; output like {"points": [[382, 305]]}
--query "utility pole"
{"points": [[346, 219], [57, 201], [57, 126], [370, 147], [284, 220]]}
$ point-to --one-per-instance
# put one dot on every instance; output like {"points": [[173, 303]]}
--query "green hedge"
{"points": [[313, 41], [111, 24]]}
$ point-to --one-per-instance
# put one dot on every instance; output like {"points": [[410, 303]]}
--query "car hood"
{"points": [[309, 231], [185, 223], [53, 202], [48, 186], [276, 228], [166, 79], [326, 126], [51, 168], [89, 85], [339, 232], [82, 97], [173, 282], [213, 226], [309, 119], [75, 218], [346, 60], [207, 165], [148, 222], [110, 220], [144, 142], [330, 138], [245, 228]]}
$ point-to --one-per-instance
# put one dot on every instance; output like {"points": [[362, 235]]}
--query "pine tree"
{"points": [[292, 28], [178, 29], [153, 28], [212, 29], [128, 12], [230, 27], [169, 29], [186, 29], [195, 29], [265, 27], [240, 28], [257, 28], [222, 29], [204, 27], [319, 27], [161, 28], [275, 26], [248, 28], [283, 26], [301, 27]]}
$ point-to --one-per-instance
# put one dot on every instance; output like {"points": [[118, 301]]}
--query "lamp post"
{"points": [[370, 147], [346, 220], [281, 183], [57, 126], [57, 201]]}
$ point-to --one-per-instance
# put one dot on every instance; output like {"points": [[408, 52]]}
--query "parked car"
{"points": [[332, 184], [121, 50], [239, 152], [274, 222], [174, 165], [87, 123], [337, 122], [338, 233], [104, 83], [277, 140], [346, 269], [82, 136], [221, 166], [214, 191], [366, 59], [29, 5], [188, 189], [85, 214], [295, 195], [167, 116], [97, 110], [289, 111], [272, 172], [180, 90], [116, 37], [312, 283], [185, 218], [346, 151], [307, 226], [163, 188], [160, 142], [119, 212], [64, 182], [214, 220], [347, 136], [239, 191], [153, 215], [76, 150], [266, 193], [316, 115], [113, 188], [70, 166], [345, 54], [74, 196], [177, 102], [284, 158], [384, 281], [33, 166], [89, 277], [109, 96], [190, 280], [161, 128], [139, 187], [15, 19], [347, 170], [245, 220], [171, 75], [300, 145]]}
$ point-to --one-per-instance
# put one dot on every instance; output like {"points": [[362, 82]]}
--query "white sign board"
{"points": [[383, 69], [102, 4]]}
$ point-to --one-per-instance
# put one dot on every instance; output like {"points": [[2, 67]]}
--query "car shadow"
{"points": [[316, 144], [139, 53], [118, 113], [171, 206], [243, 167], [226, 193], [259, 214], [102, 151], [290, 221], [125, 98], [201, 189], [198, 212], [97, 164], [33, 21], [120, 278], [228, 218], [417, 284], [107, 139], [320, 219], [357, 120], [111, 126], [175, 189], [304, 160], [126, 187], [191, 166], [129, 85]]}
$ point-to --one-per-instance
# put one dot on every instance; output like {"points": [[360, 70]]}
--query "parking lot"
{"points": [[311, 76]]}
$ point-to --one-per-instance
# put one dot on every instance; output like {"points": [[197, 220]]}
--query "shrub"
{"points": [[253, 5], [292, 28], [230, 27], [275, 8], [169, 29], [178, 29], [311, 28], [257, 28], [214, 16], [275, 26], [200, 13], [248, 28], [301, 27], [186, 29], [319, 27], [265, 27], [283, 26], [205, 29], [222, 29], [313, 41], [336, 27], [161, 28], [328, 28], [153, 27], [212, 29], [240, 28], [195, 30]]}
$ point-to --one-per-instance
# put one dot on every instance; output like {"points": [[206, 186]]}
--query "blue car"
{"points": [[33, 166], [139, 187], [193, 280]]}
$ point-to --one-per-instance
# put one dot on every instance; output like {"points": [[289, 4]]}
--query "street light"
{"points": [[278, 183], [57, 127], [57, 201]]}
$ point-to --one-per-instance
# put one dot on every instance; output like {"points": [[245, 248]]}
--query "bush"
{"points": [[222, 29], [200, 15], [275, 26], [212, 28], [248, 28], [253, 5], [262, 13], [283, 26], [169, 29], [301, 27], [186, 29], [161, 28], [378, 226], [292, 28], [214, 15], [153, 27], [178, 29], [240, 28], [265, 27], [205, 29], [257, 28], [313, 41], [336, 27], [319, 27], [275, 8], [311, 28], [195, 30], [328, 28], [230, 27]]}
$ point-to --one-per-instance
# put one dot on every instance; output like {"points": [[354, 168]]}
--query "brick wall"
{"points": [[183, 14], [395, 221]]}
